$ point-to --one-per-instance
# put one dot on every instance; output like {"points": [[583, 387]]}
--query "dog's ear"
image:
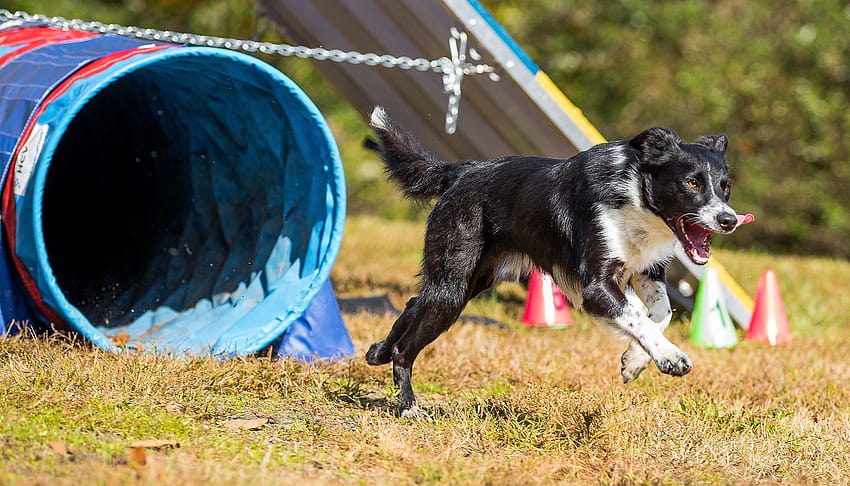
{"points": [[655, 142], [718, 143]]}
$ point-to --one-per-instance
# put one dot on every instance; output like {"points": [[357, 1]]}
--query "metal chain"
{"points": [[452, 69]]}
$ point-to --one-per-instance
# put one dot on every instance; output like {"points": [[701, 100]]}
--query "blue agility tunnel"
{"points": [[181, 200]]}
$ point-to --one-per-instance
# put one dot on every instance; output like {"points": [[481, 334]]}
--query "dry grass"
{"points": [[511, 406]]}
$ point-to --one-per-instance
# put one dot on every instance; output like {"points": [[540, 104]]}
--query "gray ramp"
{"points": [[515, 115]]}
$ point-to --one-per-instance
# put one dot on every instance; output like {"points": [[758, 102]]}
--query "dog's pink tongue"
{"points": [[744, 219]]}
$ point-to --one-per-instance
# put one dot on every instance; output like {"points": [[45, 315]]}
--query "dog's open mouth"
{"points": [[696, 239]]}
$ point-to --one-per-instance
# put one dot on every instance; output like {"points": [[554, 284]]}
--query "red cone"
{"points": [[546, 305], [769, 323]]}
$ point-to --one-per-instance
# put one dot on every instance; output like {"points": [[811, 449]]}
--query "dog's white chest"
{"points": [[636, 237]]}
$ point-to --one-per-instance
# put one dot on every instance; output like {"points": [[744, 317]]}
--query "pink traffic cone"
{"points": [[546, 305], [769, 323]]}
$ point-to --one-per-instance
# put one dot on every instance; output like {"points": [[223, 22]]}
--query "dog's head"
{"points": [[687, 185]]}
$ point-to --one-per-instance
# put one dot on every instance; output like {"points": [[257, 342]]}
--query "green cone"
{"points": [[711, 325]]}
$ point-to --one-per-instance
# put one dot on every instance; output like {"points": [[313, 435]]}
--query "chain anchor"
{"points": [[453, 75]]}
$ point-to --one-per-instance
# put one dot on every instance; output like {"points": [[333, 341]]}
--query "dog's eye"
{"points": [[692, 183]]}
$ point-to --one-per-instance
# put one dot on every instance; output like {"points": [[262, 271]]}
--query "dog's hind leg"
{"points": [[382, 352], [433, 312], [428, 317], [397, 348], [456, 267]]}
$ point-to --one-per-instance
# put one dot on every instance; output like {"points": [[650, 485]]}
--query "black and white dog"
{"points": [[603, 220]]}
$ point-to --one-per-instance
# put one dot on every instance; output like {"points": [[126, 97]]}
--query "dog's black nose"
{"points": [[727, 221]]}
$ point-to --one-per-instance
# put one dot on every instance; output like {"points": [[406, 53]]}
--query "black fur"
{"points": [[581, 219]]}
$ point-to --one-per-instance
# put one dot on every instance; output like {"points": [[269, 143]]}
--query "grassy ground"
{"points": [[511, 406]]}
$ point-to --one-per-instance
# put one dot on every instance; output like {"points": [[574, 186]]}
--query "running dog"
{"points": [[599, 222]]}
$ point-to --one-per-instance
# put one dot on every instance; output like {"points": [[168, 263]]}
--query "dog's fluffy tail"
{"points": [[420, 174]]}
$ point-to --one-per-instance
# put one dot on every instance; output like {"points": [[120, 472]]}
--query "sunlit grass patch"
{"points": [[511, 404]]}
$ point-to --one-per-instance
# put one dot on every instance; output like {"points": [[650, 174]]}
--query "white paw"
{"points": [[673, 361], [415, 413], [633, 362]]}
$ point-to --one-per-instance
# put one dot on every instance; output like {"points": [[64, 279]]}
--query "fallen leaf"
{"points": [[154, 444], [59, 447], [435, 397], [137, 457], [120, 339], [246, 424]]}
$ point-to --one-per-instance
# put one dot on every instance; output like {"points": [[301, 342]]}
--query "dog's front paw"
{"points": [[633, 362], [413, 412], [674, 363]]}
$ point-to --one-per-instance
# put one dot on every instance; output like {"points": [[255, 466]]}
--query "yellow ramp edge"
{"points": [[731, 284], [569, 108]]}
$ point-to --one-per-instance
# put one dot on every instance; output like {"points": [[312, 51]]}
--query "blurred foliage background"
{"points": [[774, 76]]}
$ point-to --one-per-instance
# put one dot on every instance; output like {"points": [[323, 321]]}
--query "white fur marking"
{"points": [[513, 266], [708, 214], [653, 294], [378, 119], [633, 183], [635, 236]]}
